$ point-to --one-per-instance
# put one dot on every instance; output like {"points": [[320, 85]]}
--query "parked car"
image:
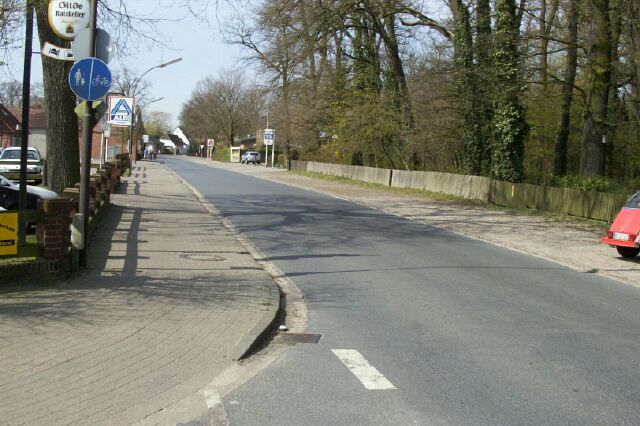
{"points": [[11, 155], [624, 233], [9, 195], [250, 157]]}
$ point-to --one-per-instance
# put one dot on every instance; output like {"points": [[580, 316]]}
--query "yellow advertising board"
{"points": [[8, 233]]}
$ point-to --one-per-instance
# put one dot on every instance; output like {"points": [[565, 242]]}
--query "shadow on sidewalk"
{"points": [[114, 284]]}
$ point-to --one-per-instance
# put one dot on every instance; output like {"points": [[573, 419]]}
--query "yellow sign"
{"points": [[8, 233]]}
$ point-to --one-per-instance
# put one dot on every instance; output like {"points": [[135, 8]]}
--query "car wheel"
{"points": [[628, 252]]}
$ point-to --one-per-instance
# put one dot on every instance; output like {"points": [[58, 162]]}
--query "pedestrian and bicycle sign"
{"points": [[120, 111], [90, 79]]}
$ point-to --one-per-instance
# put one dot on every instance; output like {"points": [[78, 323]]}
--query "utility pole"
{"points": [[87, 136], [24, 139]]}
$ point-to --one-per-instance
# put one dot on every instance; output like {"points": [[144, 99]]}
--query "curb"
{"points": [[268, 326]]}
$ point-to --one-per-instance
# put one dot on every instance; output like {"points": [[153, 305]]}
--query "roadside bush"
{"points": [[599, 184], [222, 154]]}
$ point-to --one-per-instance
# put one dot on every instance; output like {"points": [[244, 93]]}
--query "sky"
{"points": [[199, 44]]}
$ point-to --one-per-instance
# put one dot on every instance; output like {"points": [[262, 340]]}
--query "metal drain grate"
{"points": [[301, 338]]}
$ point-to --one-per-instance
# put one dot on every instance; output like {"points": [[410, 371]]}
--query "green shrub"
{"points": [[599, 184], [282, 160], [222, 154]]}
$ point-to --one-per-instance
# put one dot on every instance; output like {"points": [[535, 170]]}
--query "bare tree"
{"points": [[11, 93], [218, 106]]}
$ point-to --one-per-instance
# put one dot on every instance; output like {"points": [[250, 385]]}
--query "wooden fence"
{"points": [[588, 204]]}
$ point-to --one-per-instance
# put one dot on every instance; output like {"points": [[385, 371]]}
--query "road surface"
{"points": [[422, 326]]}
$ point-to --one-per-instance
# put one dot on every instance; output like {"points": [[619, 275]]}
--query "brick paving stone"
{"points": [[168, 296]]}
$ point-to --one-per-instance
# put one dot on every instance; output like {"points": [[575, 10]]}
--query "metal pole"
{"points": [[134, 142], [87, 133], [24, 138]]}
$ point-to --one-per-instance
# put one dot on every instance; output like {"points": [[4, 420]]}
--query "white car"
{"points": [[250, 157], [11, 155]]}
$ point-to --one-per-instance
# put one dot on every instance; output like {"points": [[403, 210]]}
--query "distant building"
{"points": [[37, 127], [179, 132], [181, 147], [10, 118], [9, 128], [247, 143]]}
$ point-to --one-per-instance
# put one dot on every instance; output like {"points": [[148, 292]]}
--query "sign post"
{"points": [[269, 139], [210, 145], [83, 83]]}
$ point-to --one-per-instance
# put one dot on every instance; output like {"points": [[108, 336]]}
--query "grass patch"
{"points": [[439, 196], [26, 254]]}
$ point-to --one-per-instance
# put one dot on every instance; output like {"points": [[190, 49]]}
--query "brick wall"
{"points": [[53, 233]]}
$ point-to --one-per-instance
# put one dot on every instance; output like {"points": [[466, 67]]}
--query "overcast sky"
{"points": [[199, 44]]}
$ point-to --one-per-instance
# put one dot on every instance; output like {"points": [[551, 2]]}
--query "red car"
{"points": [[624, 233]]}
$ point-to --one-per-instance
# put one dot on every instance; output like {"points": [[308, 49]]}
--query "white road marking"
{"points": [[370, 377], [212, 397]]}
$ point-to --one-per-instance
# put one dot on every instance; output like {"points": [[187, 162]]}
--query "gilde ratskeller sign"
{"points": [[68, 18]]}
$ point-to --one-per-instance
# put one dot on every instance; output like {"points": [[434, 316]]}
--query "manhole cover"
{"points": [[203, 257], [301, 338]]}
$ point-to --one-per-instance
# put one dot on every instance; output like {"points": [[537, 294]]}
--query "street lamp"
{"points": [[133, 88]]}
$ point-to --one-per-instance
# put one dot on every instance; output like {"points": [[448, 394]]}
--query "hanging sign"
{"points": [[57, 52], [67, 18]]}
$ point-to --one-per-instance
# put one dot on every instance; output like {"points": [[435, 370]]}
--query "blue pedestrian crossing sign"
{"points": [[90, 79], [120, 111]]}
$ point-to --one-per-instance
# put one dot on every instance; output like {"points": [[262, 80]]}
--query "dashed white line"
{"points": [[370, 377]]}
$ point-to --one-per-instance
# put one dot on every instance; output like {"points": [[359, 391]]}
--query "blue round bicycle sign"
{"points": [[90, 79]]}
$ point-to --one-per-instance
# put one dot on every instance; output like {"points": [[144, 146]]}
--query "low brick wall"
{"points": [[53, 232], [54, 238]]}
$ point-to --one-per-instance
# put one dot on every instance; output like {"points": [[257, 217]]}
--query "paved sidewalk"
{"points": [[171, 298]]}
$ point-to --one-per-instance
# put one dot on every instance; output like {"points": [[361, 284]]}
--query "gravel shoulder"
{"points": [[572, 242]]}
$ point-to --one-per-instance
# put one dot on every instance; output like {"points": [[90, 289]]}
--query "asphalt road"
{"points": [[465, 332]]}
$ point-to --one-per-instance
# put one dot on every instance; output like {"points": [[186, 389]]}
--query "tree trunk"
{"points": [[402, 92], [598, 70], [483, 80], [509, 121], [464, 77], [634, 30], [547, 18], [63, 153], [287, 111], [571, 61]]}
